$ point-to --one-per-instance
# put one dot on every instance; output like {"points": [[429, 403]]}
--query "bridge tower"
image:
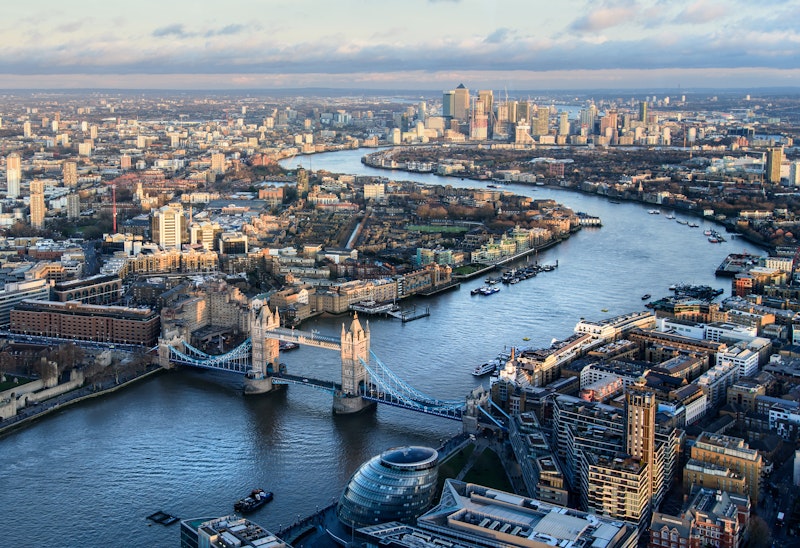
{"points": [[355, 347], [266, 351]]}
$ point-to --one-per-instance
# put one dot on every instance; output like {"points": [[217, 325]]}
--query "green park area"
{"points": [[488, 471], [12, 381]]}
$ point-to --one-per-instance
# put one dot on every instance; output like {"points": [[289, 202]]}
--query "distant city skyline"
{"points": [[414, 44]]}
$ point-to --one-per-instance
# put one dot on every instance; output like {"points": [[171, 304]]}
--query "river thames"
{"points": [[188, 442]]}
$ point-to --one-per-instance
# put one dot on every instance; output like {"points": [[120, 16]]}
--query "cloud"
{"points": [[605, 17], [171, 30], [499, 36], [223, 50], [701, 12], [72, 26], [227, 30]]}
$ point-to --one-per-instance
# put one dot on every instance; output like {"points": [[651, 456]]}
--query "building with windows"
{"points": [[226, 532], [98, 289], [397, 485], [726, 452], [37, 205], [16, 292], [85, 322], [69, 172], [168, 226], [772, 166], [13, 175], [473, 515]]}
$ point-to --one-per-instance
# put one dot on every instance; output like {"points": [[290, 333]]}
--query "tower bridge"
{"points": [[365, 380]]}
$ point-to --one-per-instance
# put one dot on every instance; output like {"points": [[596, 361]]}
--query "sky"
{"points": [[400, 44]]}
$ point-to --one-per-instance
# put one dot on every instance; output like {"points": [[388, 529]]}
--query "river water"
{"points": [[189, 443]]}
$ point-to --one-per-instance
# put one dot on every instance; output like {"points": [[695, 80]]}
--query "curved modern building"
{"points": [[397, 485]]}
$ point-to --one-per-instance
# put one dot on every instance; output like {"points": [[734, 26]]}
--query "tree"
{"points": [[759, 534]]}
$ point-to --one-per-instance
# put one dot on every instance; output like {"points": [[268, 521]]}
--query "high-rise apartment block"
{"points": [[13, 175], [542, 122], [70, 173], [563, 123], [37, 204], [218, 162], [73, 206], [772, 168]]}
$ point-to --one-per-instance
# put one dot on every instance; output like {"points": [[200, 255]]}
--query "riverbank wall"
{"points": [[67, 399]]}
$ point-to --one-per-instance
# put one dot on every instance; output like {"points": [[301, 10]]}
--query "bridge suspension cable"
{"points": [[389, 388], [237, 360]]}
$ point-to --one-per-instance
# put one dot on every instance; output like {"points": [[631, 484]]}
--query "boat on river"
{"points": [[646, 296], [255, 500], [486, 368]]}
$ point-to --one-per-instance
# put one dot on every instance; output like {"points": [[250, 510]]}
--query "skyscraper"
{"points": [[640, 427], [772, 168], [487, 97], [563, 123], [37, 204], [13, 175], [448, 104], [461, 103], [70, 173], [643, 112]]}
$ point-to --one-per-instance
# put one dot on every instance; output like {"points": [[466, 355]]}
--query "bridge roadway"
{"points": [[305, 337], [372, 394], [285, 378]]}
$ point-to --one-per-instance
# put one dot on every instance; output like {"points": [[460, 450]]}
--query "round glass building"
{"points": [[397, 485]]}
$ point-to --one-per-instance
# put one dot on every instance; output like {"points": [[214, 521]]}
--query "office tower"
{"points": [[70, 173], [422, 111], [461, 103], [643, 112], [448, 104], [563, 123], [486, 96], [772, 169], [13, 175], [37, 204], [73, 206], [168, 226]]}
